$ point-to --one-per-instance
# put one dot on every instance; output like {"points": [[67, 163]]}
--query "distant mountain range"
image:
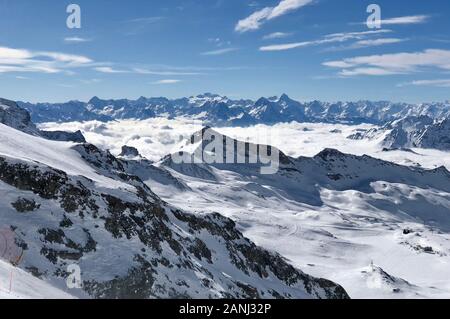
{"points": [[411, 132], [220, 110]]}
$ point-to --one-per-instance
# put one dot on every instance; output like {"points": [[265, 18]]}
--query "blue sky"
{"points": [[309, 49]]}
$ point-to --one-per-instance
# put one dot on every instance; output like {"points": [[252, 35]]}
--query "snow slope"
{"points": [[58, 155], [338, 214], [25, 286], [74, 204]]}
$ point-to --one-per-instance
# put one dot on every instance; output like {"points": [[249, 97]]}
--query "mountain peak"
{"points": [[262, 101], [285, 98], [94, 100], [329, 153]]}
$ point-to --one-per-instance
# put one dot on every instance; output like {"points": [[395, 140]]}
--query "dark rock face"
{"points": [[128, 151], [76, 137], [18, 118], [23, 205]]}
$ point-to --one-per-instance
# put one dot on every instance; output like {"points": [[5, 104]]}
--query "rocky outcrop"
{"points": [[76, 137], [18, 118], [129, 152]]}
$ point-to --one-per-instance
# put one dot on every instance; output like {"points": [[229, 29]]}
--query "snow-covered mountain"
{"points": [[378, 228], [411, 132], [74, 204], [216, 110], [18, 118]]}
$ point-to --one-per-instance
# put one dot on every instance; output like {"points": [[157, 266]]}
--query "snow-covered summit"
{"points": [[411, 132]]}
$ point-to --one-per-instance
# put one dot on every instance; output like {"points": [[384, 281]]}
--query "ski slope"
{"points": [[18, 284]]}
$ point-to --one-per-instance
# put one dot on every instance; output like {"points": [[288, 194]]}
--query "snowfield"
{"points": [[18, 284], [388, 238]]}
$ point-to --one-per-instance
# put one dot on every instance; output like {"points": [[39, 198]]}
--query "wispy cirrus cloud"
{"points": [[415, 19], [277, 35], [23, 60], [376, 42], [161, 70], [110, 70], [139, 25], [90, 81], [442, 83], [367, 44], [330, 38], [258, 18], [167, 81], [76, 40], [404, 20], [164, 73], [397, 63], [367, 71], [219, 51]]}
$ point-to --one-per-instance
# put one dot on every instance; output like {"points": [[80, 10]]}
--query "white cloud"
{"points": [[366, 71], [76, 40], [22, 60], [68, 58], [330, 38], [444, 83], [139, 25], [167, 81], [220, 51], [255, 20], [90, 81], [367, 44], [164, 73], [397, 63], [276, 35], [406, 20], [286, 46], [10, 53], [109, 70], [345, 36], [376, 42]]}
